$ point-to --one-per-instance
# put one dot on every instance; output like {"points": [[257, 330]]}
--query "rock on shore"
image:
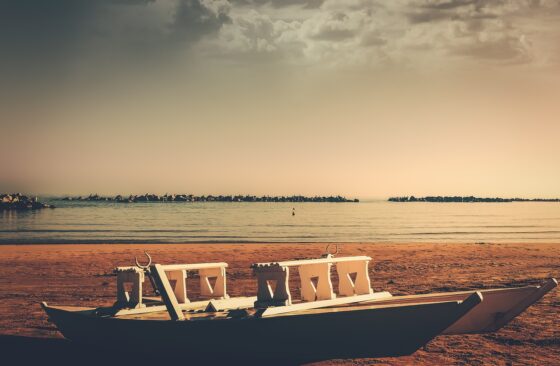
{"points": [[17, 201]]}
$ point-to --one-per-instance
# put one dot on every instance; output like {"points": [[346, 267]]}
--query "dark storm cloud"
{"points": [[40, 38], [310, 4], [462, 10], [38, 31], [130, 2], [193, 20], [36, 24], [434, 16], [453, 4]]}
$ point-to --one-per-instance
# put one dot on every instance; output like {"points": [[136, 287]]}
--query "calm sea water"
{"points": [[374, 221]]}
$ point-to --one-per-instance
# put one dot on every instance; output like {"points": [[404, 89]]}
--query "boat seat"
{"points": [[315, 279], [177, 276]]}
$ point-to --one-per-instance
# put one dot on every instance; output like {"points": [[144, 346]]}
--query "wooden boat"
{"points": [[318, 334], [274, 327]]}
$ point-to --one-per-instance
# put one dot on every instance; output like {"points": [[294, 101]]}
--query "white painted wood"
{"points": [[361, 285], [271, 311], [324, 289], [206, 305], [231, 303], [177, 276], [327, 259], [166, 292], [193, 266], [265, 294], [219, 288], [310, 270], [193, 305], [132, 275], [499, 308], [178, 280]]}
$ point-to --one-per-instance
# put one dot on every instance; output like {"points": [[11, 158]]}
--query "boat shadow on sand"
{"points": [[22, 350]]}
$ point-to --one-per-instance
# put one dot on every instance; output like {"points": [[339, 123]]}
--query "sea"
{"points": [[261, 222]]}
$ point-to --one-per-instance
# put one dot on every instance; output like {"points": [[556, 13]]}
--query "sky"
{"points": [[353, 97]]}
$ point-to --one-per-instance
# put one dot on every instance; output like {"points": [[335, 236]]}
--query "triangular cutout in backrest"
{"points": [[353, 276], [212, 281], [272, 284], [314, 282], [173, 283]]}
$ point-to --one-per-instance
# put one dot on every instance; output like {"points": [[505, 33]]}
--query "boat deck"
{"points": [[249, 313]]}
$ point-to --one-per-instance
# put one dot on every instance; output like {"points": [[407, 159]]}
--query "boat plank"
{"points": [[206, 305], [231, 303], [522, 305], [193, 266], [303, 262], [167, 294], [271, 311]]}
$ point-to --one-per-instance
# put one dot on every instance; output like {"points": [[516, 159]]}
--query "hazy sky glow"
{"points": [[361, 98]]}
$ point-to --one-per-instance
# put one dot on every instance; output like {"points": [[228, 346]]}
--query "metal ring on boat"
{"points": [[147, 265], [327, 249]]}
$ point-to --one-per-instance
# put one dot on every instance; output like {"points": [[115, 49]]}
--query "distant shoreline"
{"points": [[467, 199], [150, 197]]}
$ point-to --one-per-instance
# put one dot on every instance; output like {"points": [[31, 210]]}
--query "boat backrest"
{"points": [[315, 279], [177, 277]]}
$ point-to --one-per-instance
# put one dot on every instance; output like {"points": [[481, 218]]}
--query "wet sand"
{"points": [[80, 275]]}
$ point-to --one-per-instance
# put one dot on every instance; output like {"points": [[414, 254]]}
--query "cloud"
{"points": [[502, 48], [311, 4], [337, 26], [452, 4], [478, 30], [254, 37], [49, 36], [195, 18], [375, 33]]}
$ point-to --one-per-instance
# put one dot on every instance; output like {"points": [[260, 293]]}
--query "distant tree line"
{"points": [[468, 199], [148, 197]]}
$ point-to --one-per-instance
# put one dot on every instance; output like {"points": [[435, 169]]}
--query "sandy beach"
{"points": [[80, 275]]}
